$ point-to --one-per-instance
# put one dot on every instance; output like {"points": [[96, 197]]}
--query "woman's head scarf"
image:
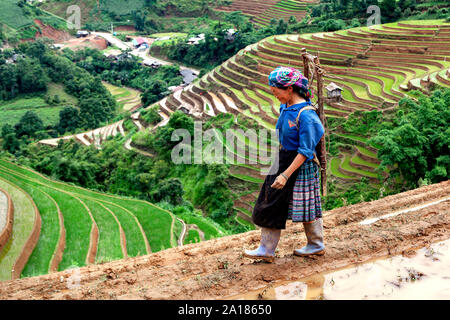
{"points": [[283, 77]]}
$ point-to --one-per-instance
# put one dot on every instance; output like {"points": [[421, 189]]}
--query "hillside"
{"points": [[25, 22], [44, 106], [215, 269], [57, 226], [376, 67]]}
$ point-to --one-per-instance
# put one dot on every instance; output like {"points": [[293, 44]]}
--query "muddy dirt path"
{"points": [[215, 269]]}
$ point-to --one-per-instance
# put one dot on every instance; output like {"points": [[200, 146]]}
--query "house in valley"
{"points": [[334, 92], [82, 33]]}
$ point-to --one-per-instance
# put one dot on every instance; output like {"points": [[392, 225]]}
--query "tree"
{"points": [[139, 20], [170, 190], [292, 20], [214, 193], [237, 19], [93, 111], [29, 125], [151, 116], [69, 119], [8, 81], [36, 49], [389, 10], [156, 91], [417, 145], [31, 76], [150, 3], [281, 27], [10, 141]]}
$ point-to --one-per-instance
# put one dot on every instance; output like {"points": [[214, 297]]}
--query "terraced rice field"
{"points": [[128, 99], [283, 10], [93, 137], [375, 67], [58, 226], [264, 11], [25, 219]]}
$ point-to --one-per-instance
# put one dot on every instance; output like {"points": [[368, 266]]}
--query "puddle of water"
{"points": [[425, 276]]}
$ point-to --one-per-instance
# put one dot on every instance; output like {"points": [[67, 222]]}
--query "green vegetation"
{"points": [[416, 143], [17, 20], [218, 45], [38, 83], [151, 115], [13, 15], [121, 7], [339, 14], [128, 71], [192, 237], [205, 194], [208, 227], [46, 106], [41, 258], [334, 168], [109, 246], [12, 111], [127, 98]]}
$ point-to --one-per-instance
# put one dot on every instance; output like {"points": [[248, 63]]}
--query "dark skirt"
{"points": [[272, 205]]}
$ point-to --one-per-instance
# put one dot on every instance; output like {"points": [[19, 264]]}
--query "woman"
{"points": [[293, 192]]}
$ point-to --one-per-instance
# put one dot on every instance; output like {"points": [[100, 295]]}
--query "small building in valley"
{"points": [[334, 92], [196, 40], [139, 41], [151, 63], [188, 76], [82, 33]]}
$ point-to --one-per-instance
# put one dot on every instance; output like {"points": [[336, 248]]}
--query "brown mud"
{"points": [[216, 269], [51, 33]]}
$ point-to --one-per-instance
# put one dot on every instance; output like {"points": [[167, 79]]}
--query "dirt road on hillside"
{"points": [[215, 269]]}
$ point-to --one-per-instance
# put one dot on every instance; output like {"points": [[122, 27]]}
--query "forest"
{"points": [[37, 67]]}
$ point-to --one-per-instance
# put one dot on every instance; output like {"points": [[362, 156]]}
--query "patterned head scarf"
{"points": [[283, 77]]}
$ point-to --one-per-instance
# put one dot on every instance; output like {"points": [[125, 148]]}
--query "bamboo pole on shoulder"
{"points": [[316, 74]]}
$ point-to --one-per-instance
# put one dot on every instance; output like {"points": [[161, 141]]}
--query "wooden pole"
{"points": [[317, 75]]}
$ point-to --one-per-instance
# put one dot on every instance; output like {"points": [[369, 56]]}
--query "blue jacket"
{"points": [[310, 130]]}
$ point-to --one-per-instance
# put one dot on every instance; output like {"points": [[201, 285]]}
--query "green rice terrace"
{"points": [[128, 100], [264, 11], [58, 226]]}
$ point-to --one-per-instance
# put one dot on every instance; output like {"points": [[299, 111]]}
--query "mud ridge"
{"points": [[216, 269]]}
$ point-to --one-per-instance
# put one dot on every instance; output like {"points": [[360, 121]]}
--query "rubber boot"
{"points": [[314, 235], [267, 246]]}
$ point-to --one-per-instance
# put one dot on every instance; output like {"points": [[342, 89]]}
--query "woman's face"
{"points": [[283, 95]]}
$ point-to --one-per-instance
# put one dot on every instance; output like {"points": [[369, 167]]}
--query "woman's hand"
{"points": [[279, 183]]}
